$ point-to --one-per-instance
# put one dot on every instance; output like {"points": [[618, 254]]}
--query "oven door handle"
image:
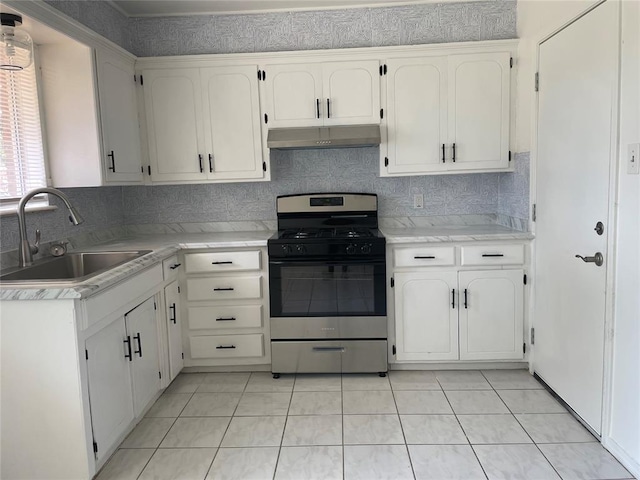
{"points": [[329, 262], [328, 349]]}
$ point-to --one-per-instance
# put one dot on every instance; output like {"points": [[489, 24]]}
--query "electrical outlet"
{"points": [[633, 158], [418, 200]]}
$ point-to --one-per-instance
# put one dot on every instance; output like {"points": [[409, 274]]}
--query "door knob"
{"points": [[598, 259]]}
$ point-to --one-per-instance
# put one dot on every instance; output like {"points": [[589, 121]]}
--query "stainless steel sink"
{"points": [[71, 268]]}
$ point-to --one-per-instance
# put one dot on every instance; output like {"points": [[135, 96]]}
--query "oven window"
{"points": [[327, 290]]}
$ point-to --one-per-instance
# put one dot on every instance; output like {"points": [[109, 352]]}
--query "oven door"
{"points": [[328, 298]]}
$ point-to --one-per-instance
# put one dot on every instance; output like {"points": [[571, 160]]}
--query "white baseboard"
{"points": [[622, 456], [460, 366]]}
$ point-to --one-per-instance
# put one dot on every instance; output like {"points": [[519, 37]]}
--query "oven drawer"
{"points": [[224, 288], [222, 262], [424, 256], [226, 346], [328, 327], [216, 318], [493, 255], [347, 356]]}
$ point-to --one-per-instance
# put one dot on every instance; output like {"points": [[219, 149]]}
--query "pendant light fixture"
{"points": [[16, 46]]}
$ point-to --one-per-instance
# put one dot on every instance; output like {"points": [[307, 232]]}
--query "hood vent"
{"points": [[324, 137]]}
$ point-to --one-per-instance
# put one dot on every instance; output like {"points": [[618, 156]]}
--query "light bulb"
{"points": [[16, 46]]}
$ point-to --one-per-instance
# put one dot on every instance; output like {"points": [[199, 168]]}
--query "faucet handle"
{"points": [[35, 248]]}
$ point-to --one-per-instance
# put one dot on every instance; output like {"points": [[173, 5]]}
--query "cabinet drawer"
{"points": [[493, 255], [226, 346], [171, 267], [224, 288], [211, 318], [222, 261], [424, 256]]}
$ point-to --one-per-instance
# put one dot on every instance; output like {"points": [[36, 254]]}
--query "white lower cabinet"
{"points": [[123, 373], [227, 299], [458, 314], [491, 315], [174, 328], [110, 389], [426, 319]]}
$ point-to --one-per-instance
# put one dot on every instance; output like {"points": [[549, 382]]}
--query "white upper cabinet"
{"points": [[416, 114], [294, 95], [232, 122], [119, 116], [479, 110], [334, 93], [175, 133], [447, 114], [204, 124], [351, 92]]}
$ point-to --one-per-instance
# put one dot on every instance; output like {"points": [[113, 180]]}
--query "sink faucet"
{"points": [[25, 249]]}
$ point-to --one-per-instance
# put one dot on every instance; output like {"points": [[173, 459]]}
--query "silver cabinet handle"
{"points": [[328, 349], [598, 259]]}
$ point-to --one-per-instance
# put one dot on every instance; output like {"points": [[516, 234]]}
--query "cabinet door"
{"points": [[351, 92], [119, 115], [173, 104], [491, 318], [109, 384], [417, 115], [174, 329], [426, 316], [294, 95], [232, 122], [142, 328], [479, 110]]}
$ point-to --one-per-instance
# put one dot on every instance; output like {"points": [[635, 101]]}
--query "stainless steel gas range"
{"points": [[327, 285]]}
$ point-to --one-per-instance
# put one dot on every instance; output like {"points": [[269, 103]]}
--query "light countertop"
{"points": [[165, 245]]}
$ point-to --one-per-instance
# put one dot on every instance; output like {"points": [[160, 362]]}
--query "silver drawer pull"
{"points": [[225, 319], [225, 347], [328, 349], [428, 257], [221, 263], [226, 289], [493, 254]]}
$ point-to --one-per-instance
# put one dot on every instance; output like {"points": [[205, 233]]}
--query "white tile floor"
{"points": [[413, 425]]}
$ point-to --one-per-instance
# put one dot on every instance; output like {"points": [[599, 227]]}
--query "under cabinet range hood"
{"points": [[324, 137]]}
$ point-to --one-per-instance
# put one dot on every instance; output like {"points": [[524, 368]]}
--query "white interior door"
{"points": [[576, 107], [417, 115]]}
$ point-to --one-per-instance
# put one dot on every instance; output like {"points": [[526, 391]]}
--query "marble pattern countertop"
{"points": [[453, 233], [165, 245]]}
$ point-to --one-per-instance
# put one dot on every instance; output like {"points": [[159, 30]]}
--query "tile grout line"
{"points": [[342, 421], [284, 428], [462, 428], [406, 446], [521, 426]]}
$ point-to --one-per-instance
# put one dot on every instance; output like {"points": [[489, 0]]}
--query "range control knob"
{"points": [[351, 249], [286, 249], [366, 248], [301, 249]]}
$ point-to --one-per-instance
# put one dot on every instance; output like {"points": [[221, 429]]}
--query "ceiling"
{"points": [[154, 8]]}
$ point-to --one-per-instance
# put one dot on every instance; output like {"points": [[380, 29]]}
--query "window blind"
{"points": [[22, 160]]}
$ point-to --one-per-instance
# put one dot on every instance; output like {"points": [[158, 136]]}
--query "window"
{"points": [[22, 159]]}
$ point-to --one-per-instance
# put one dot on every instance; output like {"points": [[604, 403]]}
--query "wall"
{"points": [[625, 427], [338, 170], [100, 207]]}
